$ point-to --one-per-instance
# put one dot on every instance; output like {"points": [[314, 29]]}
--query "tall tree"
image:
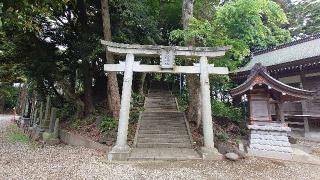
{"points": [[193, 112], [112, 87], [304, 18], [86, 64]]}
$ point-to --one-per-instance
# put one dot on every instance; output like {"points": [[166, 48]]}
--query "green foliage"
{"points": [[16, 134], [136, 106], [183, 101], [258, 23], [134, 21], [9, 95], [221, 109], [244, 24], [222, 136], [304, 17], [76, 124], [108, 124]]}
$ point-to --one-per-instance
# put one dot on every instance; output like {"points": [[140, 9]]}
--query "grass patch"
{"points": [[15, 134]]}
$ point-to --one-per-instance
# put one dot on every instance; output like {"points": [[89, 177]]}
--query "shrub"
{"points": [[9, 95], [222, 136], [221, 109], [108, 123]]}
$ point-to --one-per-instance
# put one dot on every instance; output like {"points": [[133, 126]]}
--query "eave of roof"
{"points": [[290, 52], [260, 76]]}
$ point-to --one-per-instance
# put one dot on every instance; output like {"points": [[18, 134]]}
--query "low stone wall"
{"points": [[270, 141], [78, 140]]}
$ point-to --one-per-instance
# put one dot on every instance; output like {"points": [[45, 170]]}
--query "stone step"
{"points": [[164, 145], [165, 131], [164, 121], [163, 140], [156, 123], [160, 109], [159, 96], [163, 113], [158, 115], [159, 105], [164, 154], [162, 126], [164, 107], [169, 136], [157, 118]]}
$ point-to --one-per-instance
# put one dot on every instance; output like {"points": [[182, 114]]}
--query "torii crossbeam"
{"points": [[167, 65]]}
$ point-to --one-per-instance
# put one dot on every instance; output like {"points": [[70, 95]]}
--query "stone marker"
{"points": [[52, 119], [56, 128], [46, 120], [51, 138], [40, 114]]}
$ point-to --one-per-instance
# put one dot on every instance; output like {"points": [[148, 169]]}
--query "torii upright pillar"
{"points": [[121, 150]]}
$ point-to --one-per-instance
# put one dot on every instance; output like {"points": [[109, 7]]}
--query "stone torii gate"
{"points": [[167, 55]]}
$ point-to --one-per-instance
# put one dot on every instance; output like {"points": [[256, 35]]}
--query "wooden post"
{"points": [[121, 148], [305, 118], [206, 113], [281, 113], [304, 105]]}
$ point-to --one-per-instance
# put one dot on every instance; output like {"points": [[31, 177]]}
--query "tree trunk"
{"points": [[2, 104], [88, 102], [87, 72], [112, 87], [193, 81]]}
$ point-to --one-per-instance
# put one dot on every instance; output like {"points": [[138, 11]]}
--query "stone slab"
{"points": [[164, 154]]}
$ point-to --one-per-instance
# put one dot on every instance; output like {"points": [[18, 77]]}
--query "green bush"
{"points": [[136, 106], [10, 96], [221, 109], [108, 123], [183, 101], [222, 136]]}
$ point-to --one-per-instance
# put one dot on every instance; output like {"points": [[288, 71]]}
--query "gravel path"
{"points": [[24, 161]]}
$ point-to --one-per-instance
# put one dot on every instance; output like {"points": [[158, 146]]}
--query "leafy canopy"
{"points": [[244, 24]]}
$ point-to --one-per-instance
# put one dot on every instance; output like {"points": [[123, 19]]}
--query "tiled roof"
{"points": [[259, 76], [289, 52]]}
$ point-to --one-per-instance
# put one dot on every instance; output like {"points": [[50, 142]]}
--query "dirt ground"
{"points": [[27, 161]]}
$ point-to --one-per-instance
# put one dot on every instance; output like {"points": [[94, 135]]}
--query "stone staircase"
{"points": [[163, 131]]}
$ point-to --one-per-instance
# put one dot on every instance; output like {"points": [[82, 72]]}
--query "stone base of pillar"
{"points": [[119, 153], [210, 154], [270, 141], [307, 135]]}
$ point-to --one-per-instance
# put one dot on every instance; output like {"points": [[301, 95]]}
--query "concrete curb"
{"points": [[78, 140]]}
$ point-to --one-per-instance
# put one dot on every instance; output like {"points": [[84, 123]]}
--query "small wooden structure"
{"points": [[167, 55], [296, 64], [267, 137]]}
